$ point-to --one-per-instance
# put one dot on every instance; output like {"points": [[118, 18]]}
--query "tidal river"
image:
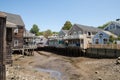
{"points": [[57, 75]]}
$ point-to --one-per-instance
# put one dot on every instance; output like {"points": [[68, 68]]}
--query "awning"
{"points": [[10, 25]]}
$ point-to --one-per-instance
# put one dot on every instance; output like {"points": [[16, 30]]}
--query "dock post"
{"points": [[2, 46], [23, 52]]}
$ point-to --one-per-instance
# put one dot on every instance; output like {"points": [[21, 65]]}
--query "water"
{"points": [[53, 73]]}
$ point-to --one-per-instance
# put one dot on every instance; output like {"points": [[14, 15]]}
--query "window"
{"points": [[79, 32], [97, 41], [15, 43], [16, 31], [100, 35], [74, 33], [106, 29], [112, 26], [104, 41], [117, 27], [41, 39], [89, 34]]}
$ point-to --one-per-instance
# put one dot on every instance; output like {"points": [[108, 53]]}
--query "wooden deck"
{"points": [[26, 50]]}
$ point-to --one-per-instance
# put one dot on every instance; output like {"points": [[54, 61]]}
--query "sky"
{"points": [[52, 14]]}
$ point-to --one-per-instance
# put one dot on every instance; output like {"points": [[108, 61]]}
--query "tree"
{"points": [[55, 32], [67, 25], [118, 37], [47, 33], [35, 30], [111, 39], [40, 33], [104, 25]]}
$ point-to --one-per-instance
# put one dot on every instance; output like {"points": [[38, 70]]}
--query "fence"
{"points": [[105, 46]]}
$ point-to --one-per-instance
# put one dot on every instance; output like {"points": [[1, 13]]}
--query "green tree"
{"points": [[111, 39], [35, 30], [118, 37], [41, 33], [55, 32], [67, 25], [104, 25], [47, 33]]}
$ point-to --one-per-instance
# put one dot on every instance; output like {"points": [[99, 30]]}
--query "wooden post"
{"points": [[2, 46]]}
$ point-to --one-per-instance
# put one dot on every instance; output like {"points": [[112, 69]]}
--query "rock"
{"points": [[118, 60], [99, 78], [96, 72]]}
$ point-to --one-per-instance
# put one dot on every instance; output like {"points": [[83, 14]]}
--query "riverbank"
{"points": [[48, 66]]}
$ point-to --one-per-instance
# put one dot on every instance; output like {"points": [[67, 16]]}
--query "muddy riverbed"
{"points": [[50, 66]]}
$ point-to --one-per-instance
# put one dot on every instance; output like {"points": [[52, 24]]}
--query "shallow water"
{"points": [[56, 74]]}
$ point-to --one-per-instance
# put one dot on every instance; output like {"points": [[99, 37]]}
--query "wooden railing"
{"points": [[106, 46]]}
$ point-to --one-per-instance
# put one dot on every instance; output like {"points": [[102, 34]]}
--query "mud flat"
{"points": [[49, 66]]}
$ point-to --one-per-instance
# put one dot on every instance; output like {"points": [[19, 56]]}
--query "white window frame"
{"points": [[16, 43], [16, 30]]}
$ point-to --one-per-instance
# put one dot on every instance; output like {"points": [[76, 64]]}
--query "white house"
{"points": [[80, 35], [41, 41]]}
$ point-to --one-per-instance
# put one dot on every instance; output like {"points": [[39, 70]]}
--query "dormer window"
{"points": [[100, 35], [74, 33], [79, 32], [16, 31], [89, 33]]}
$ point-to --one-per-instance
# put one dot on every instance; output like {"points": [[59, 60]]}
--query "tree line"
{"points": [[35, 30]]}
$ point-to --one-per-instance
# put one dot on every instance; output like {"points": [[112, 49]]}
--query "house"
{"points": [[80, 35], [41, 41], [29, 40], [15, 21], [9, 28], [114, 27], [53, 40], [61, 35], [102, 37]]}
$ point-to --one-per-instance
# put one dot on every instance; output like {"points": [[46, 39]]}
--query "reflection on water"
{"points": [[53, 73]]}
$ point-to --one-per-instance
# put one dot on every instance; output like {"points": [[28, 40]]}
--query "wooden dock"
{"points": [[26, 50]]}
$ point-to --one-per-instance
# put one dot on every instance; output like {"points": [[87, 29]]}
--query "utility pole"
{"points": [[2, 46]]}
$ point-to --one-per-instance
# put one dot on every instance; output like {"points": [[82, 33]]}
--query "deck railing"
{"points": [[106, 46]]}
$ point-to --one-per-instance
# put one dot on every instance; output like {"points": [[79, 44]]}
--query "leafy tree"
{"points": [[118, 37], [67, 25], [40, 33], [104, 25], [47, 33], [35, 30], [55, 32], [111, 39]]}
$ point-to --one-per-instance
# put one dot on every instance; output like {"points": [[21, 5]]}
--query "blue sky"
{"points": [[52, 14]]}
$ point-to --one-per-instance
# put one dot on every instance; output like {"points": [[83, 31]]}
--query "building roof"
{"points": [[88, 28], [13, 18], [2, 14], [113, 22], [116, 22], [28, 34], [10, 25], [65, 31], [111, 34]]}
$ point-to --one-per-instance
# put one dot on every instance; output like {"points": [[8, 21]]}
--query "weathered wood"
{"points": [[2, 48]]}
